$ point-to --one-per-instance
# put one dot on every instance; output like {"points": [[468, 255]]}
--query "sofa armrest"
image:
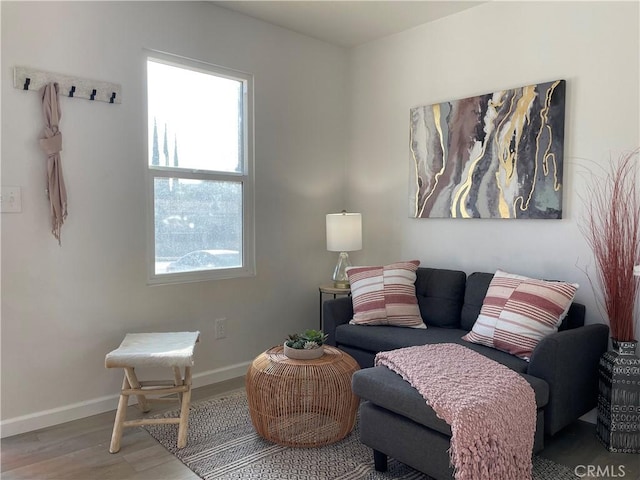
{"points": [[568, 362], [335, 312]]}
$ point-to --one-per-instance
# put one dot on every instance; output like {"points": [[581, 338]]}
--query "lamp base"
{"points": [[340, 278]]}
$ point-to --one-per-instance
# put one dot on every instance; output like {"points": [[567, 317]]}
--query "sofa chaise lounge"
{"points": [[395, 419]]}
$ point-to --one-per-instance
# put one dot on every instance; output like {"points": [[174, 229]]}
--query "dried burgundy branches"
{"points": [[612, 228]]}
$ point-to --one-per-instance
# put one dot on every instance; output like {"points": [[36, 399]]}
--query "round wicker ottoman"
{"points": [[302, 403]]}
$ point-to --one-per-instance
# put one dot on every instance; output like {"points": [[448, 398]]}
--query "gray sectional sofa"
{"points": [[395, 420]]}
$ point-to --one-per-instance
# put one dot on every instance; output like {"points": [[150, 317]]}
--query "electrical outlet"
{"points": [[221, 328], [10, 200]]}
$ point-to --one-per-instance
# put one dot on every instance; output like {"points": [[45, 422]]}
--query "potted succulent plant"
{"points": [[305, 346]]}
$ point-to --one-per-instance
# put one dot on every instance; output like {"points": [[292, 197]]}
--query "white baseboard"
{"points": [[55, 416]]}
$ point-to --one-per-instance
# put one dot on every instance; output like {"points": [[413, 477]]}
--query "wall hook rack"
{"points": [[25, 78]]}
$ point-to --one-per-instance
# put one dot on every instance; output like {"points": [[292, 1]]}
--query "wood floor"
{"points": [[79, 450]]}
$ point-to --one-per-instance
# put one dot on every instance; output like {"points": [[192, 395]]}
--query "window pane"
{"points": [[198, 225], [194, 119]]}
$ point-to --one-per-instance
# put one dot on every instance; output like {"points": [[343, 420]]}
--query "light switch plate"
{"points": [[10, 199]]}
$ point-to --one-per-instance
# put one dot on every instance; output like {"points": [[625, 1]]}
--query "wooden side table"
{"points": [[329, 289], [302, 403]]}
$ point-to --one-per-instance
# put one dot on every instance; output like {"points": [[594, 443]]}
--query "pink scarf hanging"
{"points": [[52, 145]]}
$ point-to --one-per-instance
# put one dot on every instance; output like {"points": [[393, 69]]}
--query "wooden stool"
{"points": [[172, 349]]}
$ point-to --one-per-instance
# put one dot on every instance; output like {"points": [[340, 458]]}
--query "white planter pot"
{"points": [[304, 354]]}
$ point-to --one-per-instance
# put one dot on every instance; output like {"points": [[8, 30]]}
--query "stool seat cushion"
{"points": [[166, 349]]}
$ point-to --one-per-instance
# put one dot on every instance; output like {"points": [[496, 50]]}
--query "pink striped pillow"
{"points": [[385, 295], [518, 312]]}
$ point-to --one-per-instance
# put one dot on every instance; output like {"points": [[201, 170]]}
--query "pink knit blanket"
{"points": [[491, 409]]}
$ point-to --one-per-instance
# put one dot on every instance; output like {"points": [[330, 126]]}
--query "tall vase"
{"points": [[618, 424]]}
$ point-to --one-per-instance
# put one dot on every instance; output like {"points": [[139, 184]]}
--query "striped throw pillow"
{"points": [[518, 312], [385, 295]]}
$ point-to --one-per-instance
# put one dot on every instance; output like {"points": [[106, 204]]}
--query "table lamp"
{"points": [[344, 234]]}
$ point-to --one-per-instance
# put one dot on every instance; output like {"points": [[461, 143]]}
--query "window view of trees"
{"points": [[155, 152], [198, 189]]}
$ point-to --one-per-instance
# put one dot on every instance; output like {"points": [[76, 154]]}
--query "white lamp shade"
{"points": [[344, 232], [636, 270]]}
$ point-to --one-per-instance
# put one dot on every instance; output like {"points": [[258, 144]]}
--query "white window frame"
{"points": [[245, 176]]}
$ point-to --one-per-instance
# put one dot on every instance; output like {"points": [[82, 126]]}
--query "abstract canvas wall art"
{"points": [[498, 155]]}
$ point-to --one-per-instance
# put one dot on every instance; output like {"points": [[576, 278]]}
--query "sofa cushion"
{"points": [[383, 338], [385, 295], [440, 295], [389, 390], [518, 312], [476, 290]]}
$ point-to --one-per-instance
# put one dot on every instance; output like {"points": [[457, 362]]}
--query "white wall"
{"points": [[64, 308], [497, 45]]}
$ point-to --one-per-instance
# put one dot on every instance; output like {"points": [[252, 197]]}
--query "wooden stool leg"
{"points": [[133, 381], [121, 415], [178, 381], [184, 410]]}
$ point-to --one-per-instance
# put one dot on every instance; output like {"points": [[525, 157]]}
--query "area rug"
{"points": [[223, 444]]}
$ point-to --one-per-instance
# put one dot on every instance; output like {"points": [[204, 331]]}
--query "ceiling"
{"points": [[347, 23]]}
